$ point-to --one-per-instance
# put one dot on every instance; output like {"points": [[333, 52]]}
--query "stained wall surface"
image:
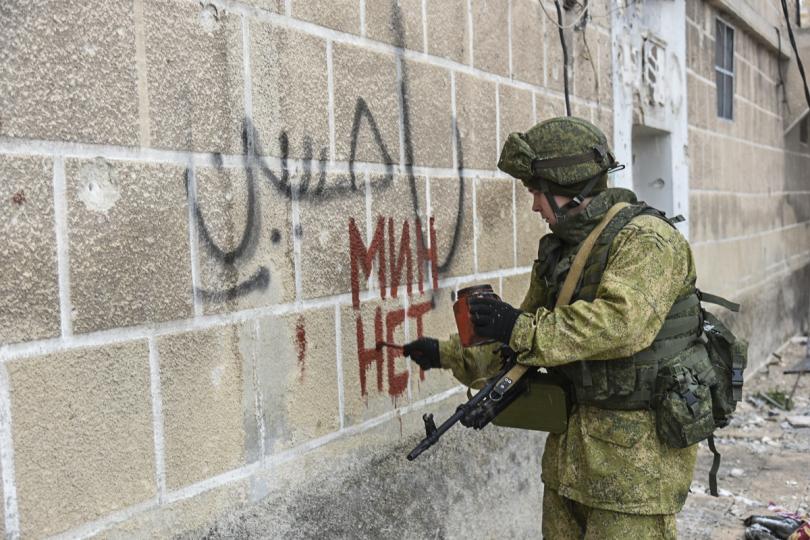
{"points": [[212, 211]]}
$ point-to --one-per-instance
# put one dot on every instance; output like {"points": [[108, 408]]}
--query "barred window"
{"points": [[724, 69]]}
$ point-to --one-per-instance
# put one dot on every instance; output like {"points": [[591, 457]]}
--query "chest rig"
{"points": [[624, 383]]}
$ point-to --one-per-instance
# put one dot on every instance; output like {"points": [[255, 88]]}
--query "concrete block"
{"points": [[587, 77], [62, 84], [365, 87], [495, 240], [195, 66], [375, 381], [448, 29], [298, 382], [491, 36], [514, 288], [244, 227], [398, 22], [29, 304], [554, 57], [343, 15], [207, 416], [175, 519], [276, 6], [527, 41], [451, 207], [429, 122], [83, 435], [437, 320], [529, 226], [128, 241], [475, 108], [515, 108], [549, 107], [325, 236], [283, 62]]}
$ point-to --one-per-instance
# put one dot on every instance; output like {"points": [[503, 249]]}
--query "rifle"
{"points": [[497, 394]]}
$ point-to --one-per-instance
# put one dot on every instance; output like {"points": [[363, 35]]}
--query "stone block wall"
{"points": [[214, 210], [749, 197]]}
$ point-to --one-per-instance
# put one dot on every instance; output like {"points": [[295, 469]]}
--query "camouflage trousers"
{"points": [[564, 519]]}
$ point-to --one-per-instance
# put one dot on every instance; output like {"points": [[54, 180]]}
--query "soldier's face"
{"points": [[540, 204]]}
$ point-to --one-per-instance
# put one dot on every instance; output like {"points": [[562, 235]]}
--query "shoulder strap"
{"points": [[568, 286], [570, 283]]}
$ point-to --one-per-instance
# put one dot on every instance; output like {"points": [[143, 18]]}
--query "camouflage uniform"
{"points": [[609, 475]]}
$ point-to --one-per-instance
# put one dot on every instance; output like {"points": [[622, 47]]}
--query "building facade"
{"points": [[213, 211]]}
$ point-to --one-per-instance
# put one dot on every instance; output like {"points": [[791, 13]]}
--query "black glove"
{"points": [[424, 351], [493, 318]]}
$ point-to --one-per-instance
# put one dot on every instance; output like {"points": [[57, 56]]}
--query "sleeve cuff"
{"points": [[523, 333], [449, 352]]}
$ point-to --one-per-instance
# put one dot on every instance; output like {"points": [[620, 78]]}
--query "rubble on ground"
{"points": [[765, 455]]}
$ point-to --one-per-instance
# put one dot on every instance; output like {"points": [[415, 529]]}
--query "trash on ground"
{"points": [[799, 421]]}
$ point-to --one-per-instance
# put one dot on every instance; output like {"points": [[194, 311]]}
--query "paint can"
{"points": [[461, 309]]}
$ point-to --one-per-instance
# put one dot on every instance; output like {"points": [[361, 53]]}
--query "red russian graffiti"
{"points": [[390, 275]]}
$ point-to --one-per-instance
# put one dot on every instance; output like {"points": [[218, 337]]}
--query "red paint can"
{"points": [[466, 330]]}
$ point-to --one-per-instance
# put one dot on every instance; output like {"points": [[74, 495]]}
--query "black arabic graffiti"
{"points": [[316, 190]]}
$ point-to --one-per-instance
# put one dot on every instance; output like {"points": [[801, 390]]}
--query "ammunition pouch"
{"points": [[543, 405], [684, 403]]}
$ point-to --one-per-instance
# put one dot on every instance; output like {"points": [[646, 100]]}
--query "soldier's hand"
{"points": [[424, 351], [493, 318]]}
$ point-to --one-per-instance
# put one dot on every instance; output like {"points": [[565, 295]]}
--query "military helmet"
{"points": [[561, 156]]}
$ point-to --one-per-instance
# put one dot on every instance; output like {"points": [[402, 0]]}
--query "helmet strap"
{"points": [[561, 213]]}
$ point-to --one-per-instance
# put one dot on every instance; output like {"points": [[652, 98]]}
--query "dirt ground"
{"points": [[766, 460]]}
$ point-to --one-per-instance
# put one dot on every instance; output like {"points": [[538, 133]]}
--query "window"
{"points": [[724, 69], [803, 128]]}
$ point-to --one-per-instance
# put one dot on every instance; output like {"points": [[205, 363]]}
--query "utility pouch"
{"points": [[544, 405], [729, 357], [684, 412]]}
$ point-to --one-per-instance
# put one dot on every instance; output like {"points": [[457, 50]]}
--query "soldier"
{"points": [[634, 312]]}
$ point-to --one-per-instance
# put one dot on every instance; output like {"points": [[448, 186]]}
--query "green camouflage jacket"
{"points": [[607, 459]]}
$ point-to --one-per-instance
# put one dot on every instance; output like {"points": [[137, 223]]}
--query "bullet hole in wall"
{"points": [[18, 198], [275, 236]]}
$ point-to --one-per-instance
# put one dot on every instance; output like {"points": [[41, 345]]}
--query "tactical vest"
{"points": [[624, 383]]}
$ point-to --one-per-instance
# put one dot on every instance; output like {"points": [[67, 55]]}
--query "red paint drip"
{"points": [[301, 341]]}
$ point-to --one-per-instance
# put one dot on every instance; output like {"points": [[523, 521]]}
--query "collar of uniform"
{"points": [[577, 227]]}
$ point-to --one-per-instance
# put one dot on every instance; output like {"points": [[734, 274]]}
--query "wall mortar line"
{"points": [[401, 116], [12, 517], [362, 10], [514, 223], [99, 338], [509, 30], [471, 42], [258, 395], [330, 83], [62, 246], [476, 232], [424, 27], [248, 79], [339, 366], [157, 418], [193, 238], [142, 69]]}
